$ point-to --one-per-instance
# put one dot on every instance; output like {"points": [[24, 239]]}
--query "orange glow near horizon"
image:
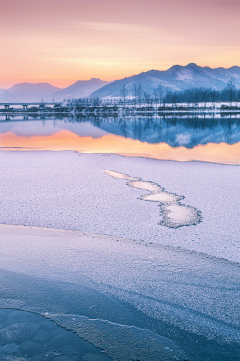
{"points": [[66, 140], [62, 41]]}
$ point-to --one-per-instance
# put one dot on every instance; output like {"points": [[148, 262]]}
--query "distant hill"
{"points": [[176, 78], [5, 96], [80, 89], [28, 92]]}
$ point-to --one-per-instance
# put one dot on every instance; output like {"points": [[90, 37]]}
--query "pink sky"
{"points": [[61, 41]]}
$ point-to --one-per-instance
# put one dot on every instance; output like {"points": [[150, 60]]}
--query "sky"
{"points": [[62, 41]]}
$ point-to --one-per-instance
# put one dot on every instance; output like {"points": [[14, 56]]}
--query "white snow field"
{"points": [[67, 190], [83, 242]]}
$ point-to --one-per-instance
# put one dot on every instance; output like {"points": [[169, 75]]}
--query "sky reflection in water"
{"points": [[174, 138]]}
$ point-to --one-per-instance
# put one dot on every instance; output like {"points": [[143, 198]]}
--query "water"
{"points": [[211, 139], [27, 336]]}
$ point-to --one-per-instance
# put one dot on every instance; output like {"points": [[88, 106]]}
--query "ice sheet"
{"points": [[67, 190], [118, 175], [26, 336], [133, 299]]}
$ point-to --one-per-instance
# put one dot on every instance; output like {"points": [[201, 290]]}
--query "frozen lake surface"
{"points": [[67, 190], [26, 336], [134, 300], [90, 251]]}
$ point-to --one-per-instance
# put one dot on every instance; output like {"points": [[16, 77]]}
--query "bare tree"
{"points": [[139, 92], [213, 94], [123, 93], [155, 97], [231, 90], [147, 98], [205, 96], [96, 102], [196, 95], [168, 96], [160, 93], [135, 94], [174, 98]]}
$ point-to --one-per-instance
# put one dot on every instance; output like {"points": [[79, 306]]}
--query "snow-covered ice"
{"points": [[102, 266], [67, 190]]}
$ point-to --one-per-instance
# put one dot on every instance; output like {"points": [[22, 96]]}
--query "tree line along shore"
{"points": [[194, 100]]}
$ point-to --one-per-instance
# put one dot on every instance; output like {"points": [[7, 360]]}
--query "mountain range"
{"points": [[28, 92], [80, 89], [176, 78]]}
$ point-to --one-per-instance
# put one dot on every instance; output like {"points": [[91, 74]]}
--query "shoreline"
{"points": [[127, 112], [131, 155]]}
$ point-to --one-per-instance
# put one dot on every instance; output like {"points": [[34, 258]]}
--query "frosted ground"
{"points": [[95, 256], [67, 190]]}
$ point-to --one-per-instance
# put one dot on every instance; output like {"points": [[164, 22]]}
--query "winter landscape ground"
{"points": [[139, 257], [119, 180]]}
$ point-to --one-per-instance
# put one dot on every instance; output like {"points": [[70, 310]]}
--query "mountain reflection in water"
{"points": [[212, 139]]}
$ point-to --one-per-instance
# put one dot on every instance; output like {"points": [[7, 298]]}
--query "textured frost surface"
{"points": [[130, 343], [163, 197], [89, 282], [86, 199], [174, 214], [148, 186], [118, 175], [186, 299]]}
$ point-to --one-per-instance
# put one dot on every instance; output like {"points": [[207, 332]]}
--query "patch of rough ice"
{"points": [[174, 214], [179, 215], [118, 175], [162, 197], [191, 291], [131, 342], [147, 186]]}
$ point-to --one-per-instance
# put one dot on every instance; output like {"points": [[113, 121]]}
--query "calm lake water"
{"points": [[181, 138]]}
